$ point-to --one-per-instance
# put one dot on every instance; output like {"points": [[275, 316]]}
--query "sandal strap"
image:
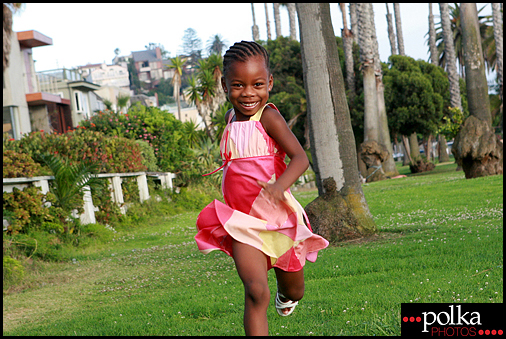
{"points": [[282, 305]]}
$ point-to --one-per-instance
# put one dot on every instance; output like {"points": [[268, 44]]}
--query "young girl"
{"points": [[262, 225]]}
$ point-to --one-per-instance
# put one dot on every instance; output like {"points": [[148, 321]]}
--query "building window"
{"points": [[81, 103], [10, 121]]}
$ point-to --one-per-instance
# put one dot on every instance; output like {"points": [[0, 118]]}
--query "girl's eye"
{"points": [[236, 85], [259, 84]]}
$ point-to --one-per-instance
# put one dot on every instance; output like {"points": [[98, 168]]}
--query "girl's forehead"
{"points": [[254, 63]]}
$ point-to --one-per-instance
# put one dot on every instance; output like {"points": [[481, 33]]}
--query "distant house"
{"points": [[27, 107], [69, 84], [113, 80], [150, 67]]}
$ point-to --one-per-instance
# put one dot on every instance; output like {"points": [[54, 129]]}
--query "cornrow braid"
{"points": [[243, 51]]}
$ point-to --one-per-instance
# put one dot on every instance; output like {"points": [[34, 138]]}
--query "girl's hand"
{"points": [[275, 191]]}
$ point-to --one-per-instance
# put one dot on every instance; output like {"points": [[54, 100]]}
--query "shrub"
{"points": [[13, 271], [18, 165]]}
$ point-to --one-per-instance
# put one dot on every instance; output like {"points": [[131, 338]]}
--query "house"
{"points": [[26, 107], [113, 80], [150, 67], [69, 84]]}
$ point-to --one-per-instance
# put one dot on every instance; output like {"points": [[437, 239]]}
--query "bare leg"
{"points": [[291, 285], [251, 265]]}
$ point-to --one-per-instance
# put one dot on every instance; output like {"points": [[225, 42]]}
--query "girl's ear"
{"points": [[224, 85], [271, 82]]}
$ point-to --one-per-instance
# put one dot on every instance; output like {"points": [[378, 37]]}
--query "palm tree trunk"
{"points": [[498, 36], [178, 98], [254, 28], [432, 38], [451, 69], [354, 21], [348, 54], [292, 13], [268, 22], [367, 60], [391, 33], [398, 27], [383, 133], [333, 144], [277, 19], [476, 80]]}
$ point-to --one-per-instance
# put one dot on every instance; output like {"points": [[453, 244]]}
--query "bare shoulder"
{"points": [[272, 120]]}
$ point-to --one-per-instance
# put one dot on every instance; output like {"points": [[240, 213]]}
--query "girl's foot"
{"points": [[284, 306]]}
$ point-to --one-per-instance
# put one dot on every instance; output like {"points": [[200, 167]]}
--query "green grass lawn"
{"points": [[440, 240]]}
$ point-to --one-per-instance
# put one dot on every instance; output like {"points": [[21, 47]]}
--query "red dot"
{"points": [[405, 319], [480, 332], [487, 332], [494, 332], [499, 332], [412, 319], [418, 319]]}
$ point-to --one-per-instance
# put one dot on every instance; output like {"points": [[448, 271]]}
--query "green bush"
{"points": [[13, 271], [148, 156], [18, 165]]}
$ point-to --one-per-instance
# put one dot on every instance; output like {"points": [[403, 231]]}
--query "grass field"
{"points": [[440, 240]]}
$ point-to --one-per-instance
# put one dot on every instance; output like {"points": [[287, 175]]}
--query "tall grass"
{"points": [[440, 240]]}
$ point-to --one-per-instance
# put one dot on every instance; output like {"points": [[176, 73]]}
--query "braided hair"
{"points": [[243, 51]]}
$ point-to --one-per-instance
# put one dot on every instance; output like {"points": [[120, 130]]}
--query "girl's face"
{"points": [[247, 86]]}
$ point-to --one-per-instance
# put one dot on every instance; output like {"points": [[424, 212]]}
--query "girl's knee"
{"points": [[258, 292]]}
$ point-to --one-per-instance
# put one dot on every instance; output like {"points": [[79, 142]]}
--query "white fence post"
{"points": [[142, 183], [117, 193], [88, 217]]}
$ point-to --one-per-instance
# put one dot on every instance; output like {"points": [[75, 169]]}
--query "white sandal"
{"points": [[280, 305]]}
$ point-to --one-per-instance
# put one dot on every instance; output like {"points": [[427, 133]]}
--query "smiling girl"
{"points": [[261, 225]]}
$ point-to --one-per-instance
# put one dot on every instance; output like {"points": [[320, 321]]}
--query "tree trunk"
{"points": [[434, 59], [348, 54], [498, 36], [398, 27], [413, 145], [443, 149], [277, 19], [367, 60], [254, 28], [292, 13], [451, 69], [178, 98], [407, 151], [268, 22], [341, 211], [354, 21], [391, 33], [476, 80]]}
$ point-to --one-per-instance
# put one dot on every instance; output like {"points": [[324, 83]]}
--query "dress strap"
{"points": [[258, 114]]}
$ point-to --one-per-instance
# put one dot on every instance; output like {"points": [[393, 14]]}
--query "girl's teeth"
{"points": [[250, 105]]}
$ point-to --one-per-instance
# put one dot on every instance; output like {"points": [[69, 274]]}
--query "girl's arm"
{"points": [[275, 125]]}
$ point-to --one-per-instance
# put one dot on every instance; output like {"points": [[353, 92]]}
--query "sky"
{"points": [[89, 33]]}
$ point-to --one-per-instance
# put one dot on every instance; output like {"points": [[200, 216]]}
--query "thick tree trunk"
{"points": [[341, 211], [443, 149], [432, 39], [277, 19], [498, 36], [476, 80], [292, 13], [413, 145]]}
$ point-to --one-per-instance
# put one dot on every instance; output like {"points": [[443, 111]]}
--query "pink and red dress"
{"points": [[250, 154]]}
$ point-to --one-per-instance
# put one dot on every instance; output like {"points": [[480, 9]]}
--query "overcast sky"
{"points": [[89, 33]]}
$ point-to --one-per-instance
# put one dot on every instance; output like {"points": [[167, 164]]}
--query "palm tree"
{"points": [[218, 119], [348, 53], [451, 69], [498, 32], [216, 44], [332, 144], [354, 21], [292, 12], [254, 28], [277, 19], [391, 33], [442, 145], [476, 80], [383, 132], [398, 28], [367, 61], [177, 64], [268, 22]]}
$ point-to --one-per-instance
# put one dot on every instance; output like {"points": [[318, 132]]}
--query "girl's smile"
{"points": [[247, 85]]}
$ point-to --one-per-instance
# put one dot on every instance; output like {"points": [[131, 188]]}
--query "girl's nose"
{"points": [[248, 91]]}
